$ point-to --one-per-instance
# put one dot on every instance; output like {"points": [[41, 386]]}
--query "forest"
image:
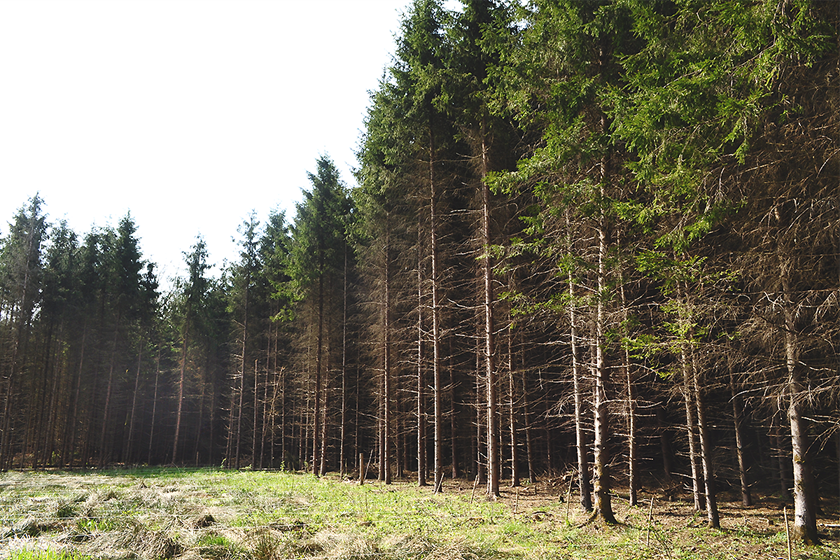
{"points": [[598, 238]]}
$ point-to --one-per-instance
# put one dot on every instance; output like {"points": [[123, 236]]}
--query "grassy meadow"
{"points": [[224, 514]]}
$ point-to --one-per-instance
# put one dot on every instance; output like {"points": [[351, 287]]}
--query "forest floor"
{"points": [[223, 514]]}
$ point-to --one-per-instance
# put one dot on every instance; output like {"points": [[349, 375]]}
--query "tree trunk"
{"points": [[691, 431], [386, 351], [804, 486], [746, 497], [453, 416], [514, 453], [580, 436], [325, 406], [664, 442], [181, 382], [601, 473], [421, 392], [436, 349], [154, 407], [256, 441], [632, 447], [239, 408], [316, 431], [198, 430], [343, 431], [480, 428], [69, 447], [493, 460], [106, 409], [705, 451], [529, 437], [129, 449]]}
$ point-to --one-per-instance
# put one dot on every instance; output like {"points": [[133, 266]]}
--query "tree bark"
{"points": [[70, 443], [421, 393], [436, 343], [316, 431], [127, 454], [804, 486], [181, 382], [691, 432], [106, 409], [580, 436], [154, 407], [746, 496], [601, 472], [632, 447], [712, 514], [514, 452], [493, 459], [343, 430], [386, 351], [529, 436]]}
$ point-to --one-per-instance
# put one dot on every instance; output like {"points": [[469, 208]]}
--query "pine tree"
{"points": [[316, 256], [193, 292]]}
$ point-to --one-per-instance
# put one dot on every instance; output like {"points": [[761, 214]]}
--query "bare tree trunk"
{"points": [[493, 460], [481, 430], [705, 451], [69, 447], [325, 406], [316, 459], [130, 445], [691, 431], [53, 407], [529, 437], [380, 430], [514, 453], [106, 416], [342, 467], [453, 416], [228, 458], [181, 382], [632, 447], [580, 436], [804, 486], [254, 431], [386, 351], [601, 472], [198, 431], [154, 407], [264, 426], [436, 349], [260, 427], [421, 392], [272, 434], [239, 413], [664, 441], [746, 497]]}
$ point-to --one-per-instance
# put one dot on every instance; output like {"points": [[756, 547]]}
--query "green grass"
{"points": [[227, 515]]}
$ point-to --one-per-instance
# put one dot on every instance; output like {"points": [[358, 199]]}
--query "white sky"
{"points": [[188, 113]]}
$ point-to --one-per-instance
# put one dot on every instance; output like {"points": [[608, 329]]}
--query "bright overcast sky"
{"points": [[188, 113]]}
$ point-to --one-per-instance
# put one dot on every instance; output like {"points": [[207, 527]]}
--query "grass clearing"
{"points": [[226, 515]]}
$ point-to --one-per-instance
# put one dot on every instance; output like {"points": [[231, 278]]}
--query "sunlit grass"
{"points": [[25, 554], [220, 514]]}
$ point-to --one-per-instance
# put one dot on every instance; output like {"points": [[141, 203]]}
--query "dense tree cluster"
{"points": [[597, 238]]}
